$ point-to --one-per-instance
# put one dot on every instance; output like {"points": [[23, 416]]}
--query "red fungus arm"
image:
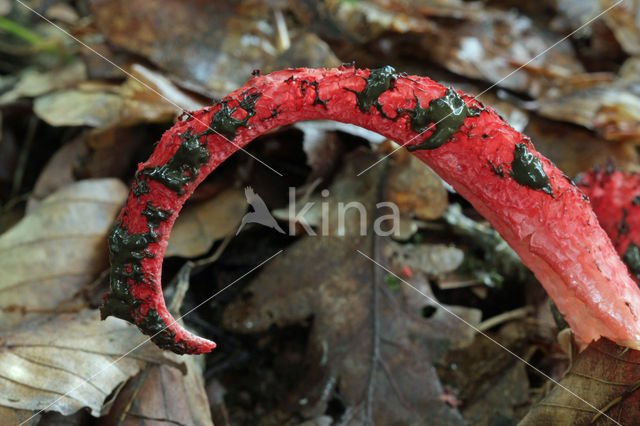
{"points": [[538, 211], [615, 198]]}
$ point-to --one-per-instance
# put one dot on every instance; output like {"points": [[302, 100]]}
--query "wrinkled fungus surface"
{"points": [[538, 211]]}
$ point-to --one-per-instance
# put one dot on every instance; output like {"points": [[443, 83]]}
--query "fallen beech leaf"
{"points": [[59, 247], [604, 374], [75, 107], [43, 359], [161, 393], [199, 225]]}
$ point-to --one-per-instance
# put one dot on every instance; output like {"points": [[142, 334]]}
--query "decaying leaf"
{"points": [[59, 247], [575, 149], [466, 38], [414, 188], [492, 385], [66, 362], [199, 225], [612, 108], [432, 259], [624, 20], [103, 105], [161, 393], [607, 377], [363, 341], [220, 43], [34, 83]]}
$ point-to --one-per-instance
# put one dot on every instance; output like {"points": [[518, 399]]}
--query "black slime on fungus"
{"points": [[181, 168], [632, 259], [379, 81], [446, 113], [526, 169], [224, 123]]}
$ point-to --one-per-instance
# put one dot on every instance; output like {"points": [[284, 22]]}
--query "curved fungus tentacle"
{"points": [[537, 209]]}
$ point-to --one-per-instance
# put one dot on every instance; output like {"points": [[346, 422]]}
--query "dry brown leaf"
{"points": [[59, 171], [574, 149], [467, 38], [59, 247], [200, 225], [213, 44], [32, 83], [624, 21], [605, 375], [611, 106], [104, 105], [44, 359], [432, 259], [162, 394], [415, 188]]}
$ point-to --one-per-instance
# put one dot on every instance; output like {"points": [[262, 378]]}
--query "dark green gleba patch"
{"points": [[379, 81], [181, 168], [446, 113], [223, 122], [632, 259], [126, 252], [526, 169]]}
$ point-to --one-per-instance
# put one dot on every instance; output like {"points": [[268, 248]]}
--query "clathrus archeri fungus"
{"points": [[615, 198], [535, 207]]}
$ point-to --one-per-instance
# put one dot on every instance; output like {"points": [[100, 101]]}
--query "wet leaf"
{"points": [[200, 225], [399, 383], [59, 247], [44, 359], [605, 375]]}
